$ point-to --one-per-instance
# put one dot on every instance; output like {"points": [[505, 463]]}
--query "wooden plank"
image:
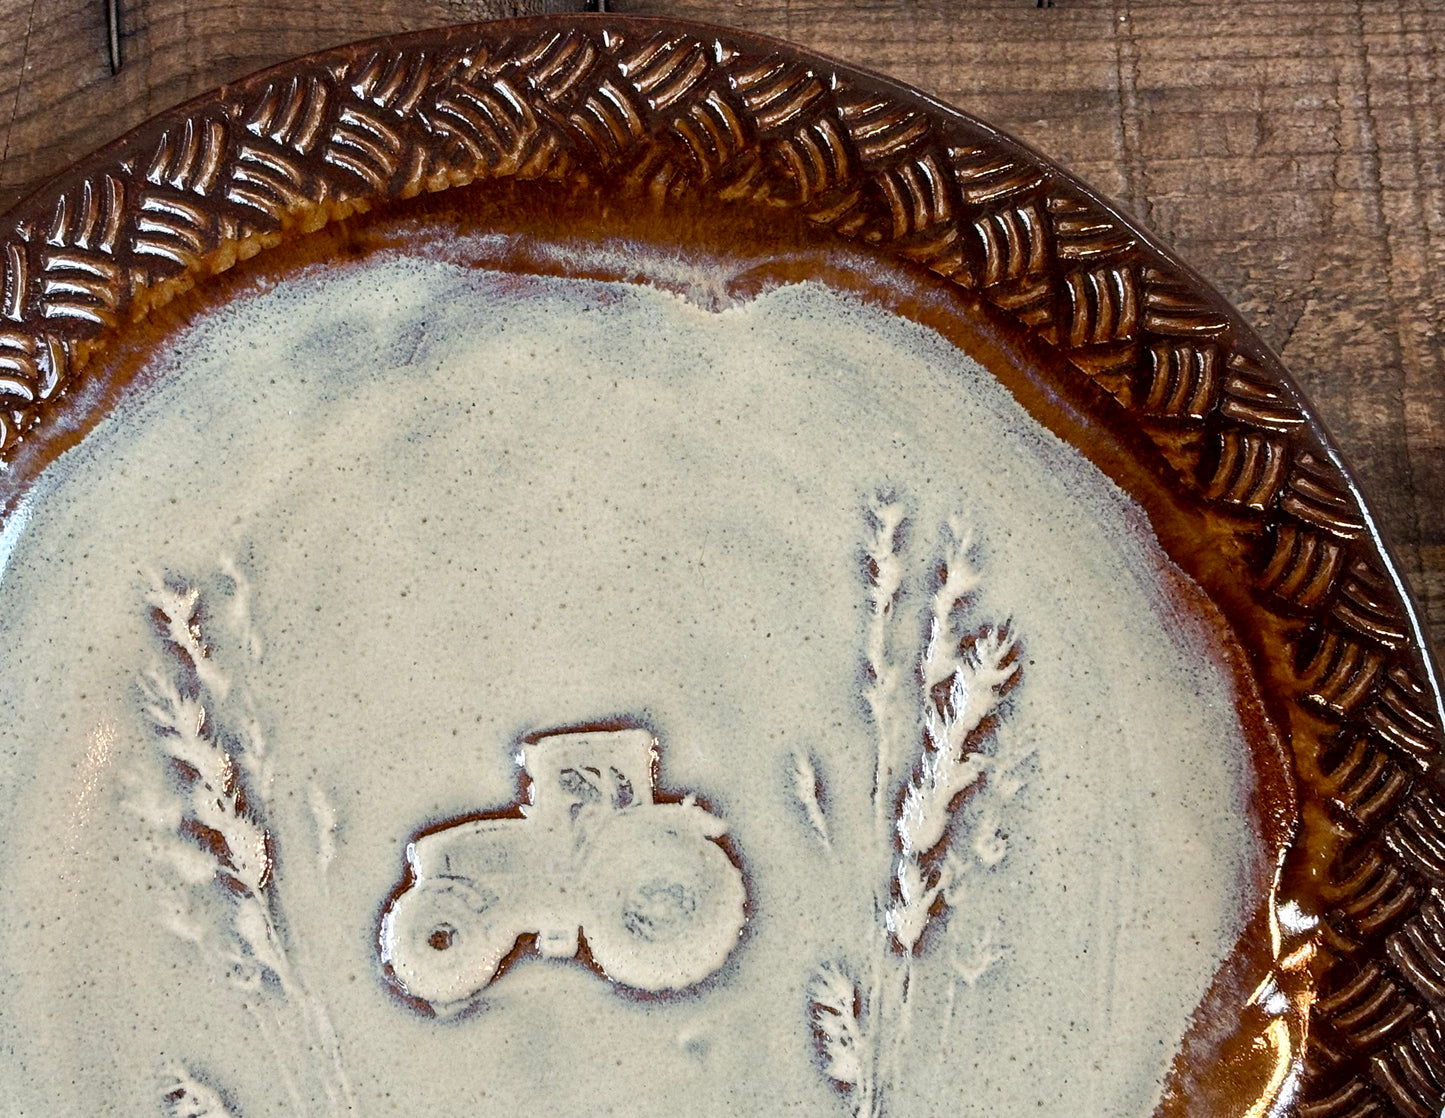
{"points": [[1292, 152]]}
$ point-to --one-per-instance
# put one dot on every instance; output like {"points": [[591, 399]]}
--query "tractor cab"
{"points": [[576, 772]]}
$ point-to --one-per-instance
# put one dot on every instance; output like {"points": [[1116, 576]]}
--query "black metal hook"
{"points": [[112, 34]]}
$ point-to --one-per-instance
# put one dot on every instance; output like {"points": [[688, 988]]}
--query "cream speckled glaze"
{"points": [[603, 502]]}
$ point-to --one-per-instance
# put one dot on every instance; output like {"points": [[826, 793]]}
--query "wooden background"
{"points": [[1291, 150]]}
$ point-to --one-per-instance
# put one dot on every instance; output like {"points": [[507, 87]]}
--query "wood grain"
{"points": [[1292, 152]]}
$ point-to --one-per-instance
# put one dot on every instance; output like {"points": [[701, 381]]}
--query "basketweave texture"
{"points": [[659, 111]]}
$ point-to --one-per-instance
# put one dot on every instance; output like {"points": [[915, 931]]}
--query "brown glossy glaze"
{"points": [[676, 133]]}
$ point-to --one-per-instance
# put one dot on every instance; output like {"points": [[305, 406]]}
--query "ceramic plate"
{"points": [[599, 565]]}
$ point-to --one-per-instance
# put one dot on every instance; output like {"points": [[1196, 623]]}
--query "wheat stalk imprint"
{"points": [[185, 1096], [205, 819], [945, 769]]}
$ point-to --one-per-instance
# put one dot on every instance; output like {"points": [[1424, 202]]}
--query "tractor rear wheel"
{"points": [[671, 918]]}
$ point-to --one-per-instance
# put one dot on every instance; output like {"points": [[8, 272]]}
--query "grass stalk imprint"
{"points": [[203, 809], [945, 770]]}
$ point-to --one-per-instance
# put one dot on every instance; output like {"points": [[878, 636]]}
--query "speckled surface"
{"points": [[461, 507]]}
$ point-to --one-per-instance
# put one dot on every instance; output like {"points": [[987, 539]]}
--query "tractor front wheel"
{"points": [[444, 940]]}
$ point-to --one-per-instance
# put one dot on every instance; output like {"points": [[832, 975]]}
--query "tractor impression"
{"points": [[594, 855]]}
